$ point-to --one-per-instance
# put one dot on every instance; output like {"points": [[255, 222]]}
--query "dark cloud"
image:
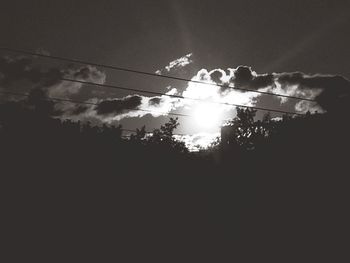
{"points": [[262, 81], [155, 101], [118, 106], [18, 69], [77, 110], [216, 76], [73, 89], [89, 73], [314, 81], [245, 77], [47, 83], [335, 90], [21, 68], [330, 92], [14, 70]]}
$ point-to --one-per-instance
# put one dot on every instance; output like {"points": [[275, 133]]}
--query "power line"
{"points": [[168, 95], [92, 103], [164, 94], [150, 111], [146, 91], [148, 73], [178, 96]]}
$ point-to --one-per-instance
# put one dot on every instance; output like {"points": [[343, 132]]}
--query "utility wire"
{"points": [[164, 94], [151, 111], [96, 104], [178, 96], [147, 73], [91, 103], [129, 130]]}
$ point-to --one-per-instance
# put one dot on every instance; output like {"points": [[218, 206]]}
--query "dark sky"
{"points": [[311, 36]]}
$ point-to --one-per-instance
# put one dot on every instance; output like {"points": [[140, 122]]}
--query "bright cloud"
{"points": [[177, 64], [198, 141], [209, 103]]}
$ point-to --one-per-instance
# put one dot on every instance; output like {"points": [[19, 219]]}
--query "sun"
{"points": [[207, 115]]}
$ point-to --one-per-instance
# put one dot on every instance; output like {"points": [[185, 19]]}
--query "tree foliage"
{"points": [[248, 133], [164, 137]]}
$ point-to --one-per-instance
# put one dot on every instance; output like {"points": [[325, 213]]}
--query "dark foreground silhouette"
{"points": [[273, 191]]}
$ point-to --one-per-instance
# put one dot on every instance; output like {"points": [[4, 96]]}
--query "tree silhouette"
{"points": [[139, 136], [164, 137], [246, 132]]}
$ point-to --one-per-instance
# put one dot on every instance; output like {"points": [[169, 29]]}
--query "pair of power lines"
{"points": [[147, 91], [96, 104]]}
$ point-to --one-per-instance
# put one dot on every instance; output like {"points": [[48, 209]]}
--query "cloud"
{"points": [[16, 69], [331, 92], [177, 64], [215, 94], [118, 106], [199, 141], [78, 109], [209, 104], [155, 101], [305, 106], [67, 88], [241, 77], [293, 84], [245, 77], [20, 74], [114, 109]]}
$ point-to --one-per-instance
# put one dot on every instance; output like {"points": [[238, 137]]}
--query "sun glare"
{"points": [[207, 115]]}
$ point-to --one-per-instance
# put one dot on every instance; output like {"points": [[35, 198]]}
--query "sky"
{"points": [[187, 39]]}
